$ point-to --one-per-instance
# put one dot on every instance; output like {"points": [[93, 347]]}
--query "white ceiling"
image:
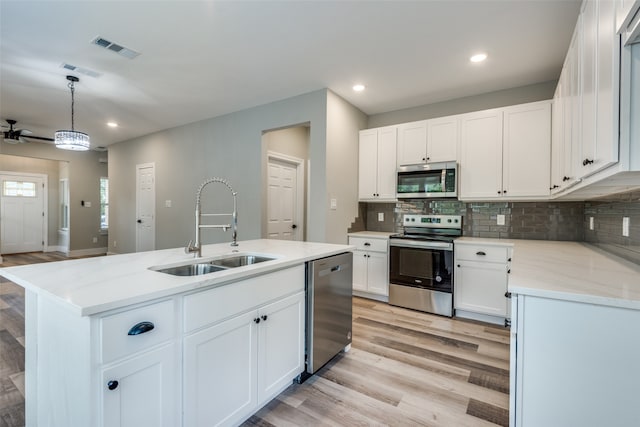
{"points": [[204, 59]]}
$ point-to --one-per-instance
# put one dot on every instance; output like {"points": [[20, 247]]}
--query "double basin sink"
{"points": [[204, 267]]}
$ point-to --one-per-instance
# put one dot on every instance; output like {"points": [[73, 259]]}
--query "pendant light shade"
{"points": [[72, 139]]}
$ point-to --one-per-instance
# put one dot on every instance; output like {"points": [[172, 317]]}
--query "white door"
{"points": [[22, 216], [145, 207], [141, 392], [285, 197]]}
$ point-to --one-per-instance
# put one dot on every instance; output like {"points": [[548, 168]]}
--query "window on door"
{"points": [[104, 204], [64, 204], [19, 189]]}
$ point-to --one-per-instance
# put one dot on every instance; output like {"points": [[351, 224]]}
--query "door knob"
{"points": [[139, 221]]}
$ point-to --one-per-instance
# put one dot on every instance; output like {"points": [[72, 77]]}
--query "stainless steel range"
{"points": [[421, 263]]}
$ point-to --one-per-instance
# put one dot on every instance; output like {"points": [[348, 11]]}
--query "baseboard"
{"points": [[381, 298], [496, 320], [85, 252], [62, 249]]}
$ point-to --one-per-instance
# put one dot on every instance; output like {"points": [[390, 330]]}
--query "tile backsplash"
{"points": [[526, 220]]}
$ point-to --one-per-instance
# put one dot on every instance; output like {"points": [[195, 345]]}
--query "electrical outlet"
{"points": [[115, 244], [95, 240], [87, 204], [590, 223], [625, 226], [381, 216], [500, 219]]}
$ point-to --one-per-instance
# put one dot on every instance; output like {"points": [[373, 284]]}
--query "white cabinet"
{"points": [[233, 367], [377, 164], [370, 267], [506, 153], [428, 141], [573, 363], [142, 391], [481, 279]]}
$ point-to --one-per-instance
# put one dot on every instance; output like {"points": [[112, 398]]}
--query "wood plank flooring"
{"points": [[405, 368]]}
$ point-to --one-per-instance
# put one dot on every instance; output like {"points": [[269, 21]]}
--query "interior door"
{"points": [[145, 207], [22, 215], [283, 200]]}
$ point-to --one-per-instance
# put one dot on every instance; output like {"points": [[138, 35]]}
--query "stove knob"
{"points": [[449, 220], [438, 279]]}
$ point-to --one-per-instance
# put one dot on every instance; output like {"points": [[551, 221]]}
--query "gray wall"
{"points": [[502, 98], [85, 172], [230, 146]]}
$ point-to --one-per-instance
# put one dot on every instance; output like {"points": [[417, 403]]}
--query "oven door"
{"points": [[423, 267]]}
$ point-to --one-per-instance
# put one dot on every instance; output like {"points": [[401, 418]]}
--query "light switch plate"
{"points": [[334, 204], [590, 223], [167, 203], [381, 216], [87, 204], [625, 226], [500, 219]]}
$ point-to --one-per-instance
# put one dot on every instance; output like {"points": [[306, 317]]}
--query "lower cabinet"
{"points": [[142, 391], [481, 279], [371, 266], [235, 366]]}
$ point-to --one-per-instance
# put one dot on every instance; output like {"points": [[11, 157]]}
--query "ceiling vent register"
{"points": [[80, 70], [114, 47]]}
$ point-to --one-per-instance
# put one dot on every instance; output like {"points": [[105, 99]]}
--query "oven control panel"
{"points": [[432, 221]]}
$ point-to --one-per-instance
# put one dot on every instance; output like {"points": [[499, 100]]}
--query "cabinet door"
{"points": [[480, 287], [574, 118], [442, 139], [360, 270], [280, 345], [220, 372], [588, 85], [145, 392], [368, 164], [481, 155], [412, 143], [387, 146], [527, 150], [377, 273], [557, 137]]}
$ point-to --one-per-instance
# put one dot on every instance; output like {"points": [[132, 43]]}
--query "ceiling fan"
{"points": [[17, 136]]}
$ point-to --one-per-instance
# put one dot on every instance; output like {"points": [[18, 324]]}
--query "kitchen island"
{"points": [[110, 341], [575, 343]]}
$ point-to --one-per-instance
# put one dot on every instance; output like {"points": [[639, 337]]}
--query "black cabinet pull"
{"points": [[139, 221], [112, 385], [264, 317], [141, 328], [481, 253], [424, 159], [509, 271], [458, 265], [257, 320], [499, 192], [367, 244], [507, 294], [566, 178], [504, 192], [509, 259], [554, 187], [586, 162], [294, 226]]}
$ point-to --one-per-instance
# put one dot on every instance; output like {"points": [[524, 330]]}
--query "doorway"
{"points": [[285, 183], [23, 212], [145, 207]]}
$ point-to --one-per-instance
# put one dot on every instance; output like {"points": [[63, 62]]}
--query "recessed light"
{"points": [[112, 124], [358, 87], [478, 57]]}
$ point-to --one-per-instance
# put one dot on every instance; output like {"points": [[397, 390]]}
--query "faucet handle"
{"points": [[189, 248]]}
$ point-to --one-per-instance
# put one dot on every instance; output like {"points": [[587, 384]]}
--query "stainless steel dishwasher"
{"points": [[329, 287]]}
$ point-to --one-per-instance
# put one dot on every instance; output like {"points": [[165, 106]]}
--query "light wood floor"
{"points": [[405, 368]]}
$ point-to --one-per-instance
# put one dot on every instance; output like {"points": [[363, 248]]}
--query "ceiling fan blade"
{"points": [[23, 132], [42, 138]]}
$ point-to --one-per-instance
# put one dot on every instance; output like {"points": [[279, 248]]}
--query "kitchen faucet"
{"points": [[197, 248]]}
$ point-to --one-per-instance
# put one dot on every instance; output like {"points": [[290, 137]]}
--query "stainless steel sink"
{"points": [[191, 269], [211, 266], [240, 260]]}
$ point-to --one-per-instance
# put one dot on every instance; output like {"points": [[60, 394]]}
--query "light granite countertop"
{"points": [[93, 285], [372, 234], [571, 271]]}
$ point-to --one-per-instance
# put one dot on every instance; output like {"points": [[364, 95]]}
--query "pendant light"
{"points": [[72, 139]]}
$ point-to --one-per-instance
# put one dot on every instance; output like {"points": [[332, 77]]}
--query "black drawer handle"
{"points": [[112, 385], [367, 244], [141, 328], [481, 253]]}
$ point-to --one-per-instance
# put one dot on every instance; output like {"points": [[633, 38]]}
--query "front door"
{"points": [[22, 215], [284, 200], [145, 207]]}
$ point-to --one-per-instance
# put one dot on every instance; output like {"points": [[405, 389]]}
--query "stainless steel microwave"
{"points": [[430, 180]]}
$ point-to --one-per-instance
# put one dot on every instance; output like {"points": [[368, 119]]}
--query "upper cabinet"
{"points": [[506, 153], [428, 141], [377, 164]]}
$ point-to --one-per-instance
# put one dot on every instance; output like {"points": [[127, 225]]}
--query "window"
{"points": [[104, 203], [64, 204], [18, 189]]}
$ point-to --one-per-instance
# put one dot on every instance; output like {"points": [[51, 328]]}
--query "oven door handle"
{"points": [[403, 243]]}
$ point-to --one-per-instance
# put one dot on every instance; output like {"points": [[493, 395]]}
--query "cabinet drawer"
{"points": [[482, 253], [213, 305], [114, 330], [368, 244]]}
